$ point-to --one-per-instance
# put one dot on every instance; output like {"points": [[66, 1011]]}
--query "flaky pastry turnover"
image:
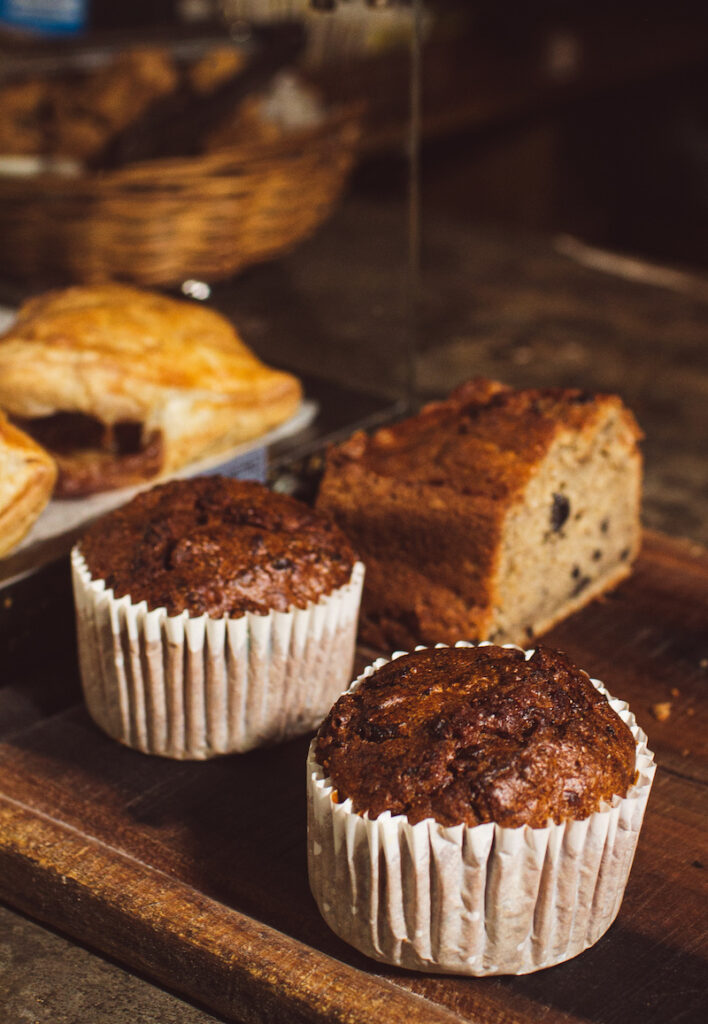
{"points": [[122, 385], [27, 475]]}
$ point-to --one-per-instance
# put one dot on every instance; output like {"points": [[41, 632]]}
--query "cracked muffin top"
{"points": [[472, 735], [218, 546]]}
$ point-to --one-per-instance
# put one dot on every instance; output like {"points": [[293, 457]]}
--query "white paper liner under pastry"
{"points": [[193, 687], [472, 900]]}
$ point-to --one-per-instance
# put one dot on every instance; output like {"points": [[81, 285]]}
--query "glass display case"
{"points": [[259, 159]]}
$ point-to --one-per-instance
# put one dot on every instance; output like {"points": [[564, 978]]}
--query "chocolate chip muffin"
{"points": [[217, 546], [213, 616], [478, 734], [474, 810]]}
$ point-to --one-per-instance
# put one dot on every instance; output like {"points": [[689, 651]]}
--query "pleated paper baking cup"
{"points": [[472, 900], [192, 687]]}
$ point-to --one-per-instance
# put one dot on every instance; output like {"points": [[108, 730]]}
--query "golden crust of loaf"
{"points": [[120, 354], [484, 441], [27, 475], [457, 512]]}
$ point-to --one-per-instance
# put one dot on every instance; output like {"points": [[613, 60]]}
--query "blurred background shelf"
{"points": [[554, 116]]}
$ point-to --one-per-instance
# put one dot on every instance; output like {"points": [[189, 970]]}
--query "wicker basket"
{"points": [[162, 221]]}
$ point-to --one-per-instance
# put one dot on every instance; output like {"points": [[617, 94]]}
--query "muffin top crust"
{"points": [[218, 546], [472, 735]]}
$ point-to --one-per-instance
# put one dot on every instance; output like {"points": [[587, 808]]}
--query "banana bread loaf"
{"points": [[475, 734], [490, 515]]}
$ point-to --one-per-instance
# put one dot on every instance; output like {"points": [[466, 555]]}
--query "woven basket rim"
{"points": [[161, 221], [339, 121]]}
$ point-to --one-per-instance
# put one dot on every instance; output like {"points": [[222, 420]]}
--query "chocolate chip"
{"points": [[529, 633], [604, 525], [576, 572], [440, 728], [596, 555], [580, 586], [624, 555], [153, 534], [282, 563], [472, 753], [582, 398], [560, 510], [378, 733]]}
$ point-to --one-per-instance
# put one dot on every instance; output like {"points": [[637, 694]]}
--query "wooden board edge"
{"points": [[683, 550], [226, 961]]}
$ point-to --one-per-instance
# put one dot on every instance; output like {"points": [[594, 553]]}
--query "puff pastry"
{"points": [[27, 476], [122, 385]]}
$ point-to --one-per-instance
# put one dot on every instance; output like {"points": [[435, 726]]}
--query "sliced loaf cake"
{"points": [[490, 515]]}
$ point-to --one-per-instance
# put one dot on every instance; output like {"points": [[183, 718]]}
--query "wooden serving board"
{"points": [[195, 874]]}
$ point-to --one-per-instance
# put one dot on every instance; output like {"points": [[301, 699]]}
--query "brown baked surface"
{"points": [[173, 377], [218, 546], [471, 735], [490, 515], [27, 475]]}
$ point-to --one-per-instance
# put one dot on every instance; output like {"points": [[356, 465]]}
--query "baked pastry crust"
{"points": [[27, 475], [125, 356]]}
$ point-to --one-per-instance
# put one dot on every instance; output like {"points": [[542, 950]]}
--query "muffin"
{"points": [[475, 809], [213, 616]]}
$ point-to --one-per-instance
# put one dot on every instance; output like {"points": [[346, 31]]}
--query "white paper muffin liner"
{"points": [[472, 900], [192, 687]]}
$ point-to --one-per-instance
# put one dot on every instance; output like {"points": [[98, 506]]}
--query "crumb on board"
{"points": [[661, 710], [675, 692]]}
